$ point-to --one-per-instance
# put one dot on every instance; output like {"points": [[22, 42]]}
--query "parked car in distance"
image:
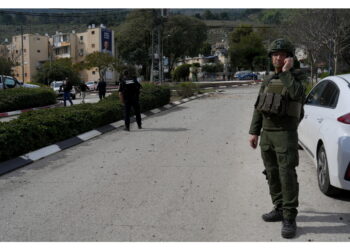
{"points": [[246, 75], [324, 132], [28, 85], [55, 85], [8, 82], [91, 85]]}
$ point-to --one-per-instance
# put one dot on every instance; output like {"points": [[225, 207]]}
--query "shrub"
{"points": [[22, 98], [213, 68], [187, 89], [37, 129], [182, 72]]}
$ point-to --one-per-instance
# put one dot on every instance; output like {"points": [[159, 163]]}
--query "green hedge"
{"points": [[23, 98], [187, 89], [37, 129]]}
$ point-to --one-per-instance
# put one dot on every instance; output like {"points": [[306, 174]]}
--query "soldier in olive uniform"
{"points": [[278, 111]]}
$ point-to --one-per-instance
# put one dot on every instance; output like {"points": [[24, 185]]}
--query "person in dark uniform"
{"points": [[67, 86], [129, 91], [278, 111], [101, 87]]}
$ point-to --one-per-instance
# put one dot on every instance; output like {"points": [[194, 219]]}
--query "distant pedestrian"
{"points": [[129, 91], [101, 87], [66, 87], [83, 89]]}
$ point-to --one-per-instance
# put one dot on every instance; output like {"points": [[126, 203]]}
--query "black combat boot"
{"points": [[126, 128], [289, 228], [275, 215]]}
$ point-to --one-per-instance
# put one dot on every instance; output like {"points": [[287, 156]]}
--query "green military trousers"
{"points": [[279, 151]]}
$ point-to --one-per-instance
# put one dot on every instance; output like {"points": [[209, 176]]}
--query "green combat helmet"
{"points": [[282, 45]]}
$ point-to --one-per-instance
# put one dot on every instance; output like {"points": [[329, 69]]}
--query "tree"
{"points": [[182, 36], [182, 72], [206, 49], [208, 15], [224, 16], [5, 66], [317, 29], [185, 37], [198, 15], [260, 63], [100, 60], [133, 39], [213, 68], [245, 45], [57, 70]]}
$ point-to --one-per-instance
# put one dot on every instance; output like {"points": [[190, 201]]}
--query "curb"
{"points": [[18, 112], [23, 160]]}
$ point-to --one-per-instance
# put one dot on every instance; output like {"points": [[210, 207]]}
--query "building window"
{"points": [[25, 50], [16, 51], [81, 52], [25, 74], [93, 72], [92, 32], [17, 75], [24, 38], [38, 51], [93, 45], [81, 38]]}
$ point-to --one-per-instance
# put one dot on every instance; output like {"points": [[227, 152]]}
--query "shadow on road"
{"points": [[343, 219], [342, 195]]}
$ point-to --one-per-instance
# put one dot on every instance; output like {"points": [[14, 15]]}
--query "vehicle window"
{"points": [[329, 96], [10, 83], [314, 96]]}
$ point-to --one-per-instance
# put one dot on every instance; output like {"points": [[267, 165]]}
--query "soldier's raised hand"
{"points": [[288, 64]]}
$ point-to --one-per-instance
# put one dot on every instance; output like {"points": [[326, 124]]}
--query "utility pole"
{"points": [[157, 46], [22, 50]]}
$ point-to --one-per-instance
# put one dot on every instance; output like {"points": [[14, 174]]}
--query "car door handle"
{"points": [[319, 120]]}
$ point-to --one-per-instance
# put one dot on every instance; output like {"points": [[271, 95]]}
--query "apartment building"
{"points": [[38, 49], [78, 45], [29, 58]]}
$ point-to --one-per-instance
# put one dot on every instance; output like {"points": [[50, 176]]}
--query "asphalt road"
{"points": [[189, 175]]}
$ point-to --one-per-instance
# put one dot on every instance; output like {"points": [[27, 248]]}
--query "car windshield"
{"points": [[57, 84]]}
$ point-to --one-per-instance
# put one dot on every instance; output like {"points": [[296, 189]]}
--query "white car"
{"points": [[91, 85], [55, 85], [324, 133]]}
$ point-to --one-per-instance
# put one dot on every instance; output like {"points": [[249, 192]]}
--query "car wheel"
{"points": [[323, 173]]}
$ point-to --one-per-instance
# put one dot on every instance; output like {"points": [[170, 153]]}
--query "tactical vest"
{"points": [[274, 100]]}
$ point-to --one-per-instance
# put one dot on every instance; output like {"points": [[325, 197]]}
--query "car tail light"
{"points": [[347, 173], [345, 119]]}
